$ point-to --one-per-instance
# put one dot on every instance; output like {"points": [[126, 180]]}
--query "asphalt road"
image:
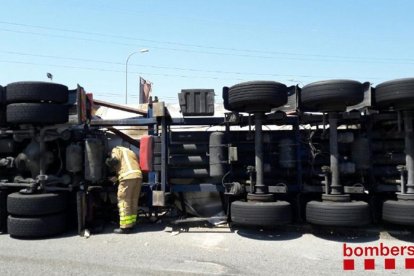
{"points": [[156, 249]]}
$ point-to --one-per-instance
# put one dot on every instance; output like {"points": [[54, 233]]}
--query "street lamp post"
{"points": [[126, 71]]}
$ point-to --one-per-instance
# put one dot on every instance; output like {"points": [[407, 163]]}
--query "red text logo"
{"points": [[370, 255]]}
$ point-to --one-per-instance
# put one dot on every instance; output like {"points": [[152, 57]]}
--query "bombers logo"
{"points": [[369, 252]]}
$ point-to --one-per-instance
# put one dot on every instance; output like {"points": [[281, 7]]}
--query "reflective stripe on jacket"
{"points": [[129, 166]]}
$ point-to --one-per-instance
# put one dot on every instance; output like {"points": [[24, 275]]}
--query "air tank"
{"points": [[74, 158], [94, 159], [218, 155]]}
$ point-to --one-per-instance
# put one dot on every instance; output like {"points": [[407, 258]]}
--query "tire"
{"points": [[2, 95], [27, 92], [354, 213], [37, 113], [261, 213], [398, 212], [398, 94], [256, 96], [260, 197], [3, 121], [36, 204], [3, 211], [36, 227], [331, 95]]}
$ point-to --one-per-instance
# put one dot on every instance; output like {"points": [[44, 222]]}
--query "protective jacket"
{"points": [[128, 167]]}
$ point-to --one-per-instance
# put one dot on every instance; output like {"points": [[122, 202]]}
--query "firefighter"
{"points": [[129, 177]]}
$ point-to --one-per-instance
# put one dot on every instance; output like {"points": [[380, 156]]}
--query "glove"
{"points": [[111, 162]]}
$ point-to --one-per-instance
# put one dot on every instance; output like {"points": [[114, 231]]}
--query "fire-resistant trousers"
{"points": [[128, 196]]}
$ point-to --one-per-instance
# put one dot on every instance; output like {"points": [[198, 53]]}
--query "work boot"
{"points": [[122, 230]]}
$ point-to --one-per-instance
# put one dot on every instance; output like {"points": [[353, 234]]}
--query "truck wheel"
{"points": [[36, 204], [3, 121], [398, 94], [256, 96], [354, 213], [37, 113], [260, 197], [331, 95], [398, 212], [36, 227], [261, 213], [3, 212], [34, 91], [2, 95]]}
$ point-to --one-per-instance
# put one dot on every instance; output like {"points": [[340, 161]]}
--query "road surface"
{"points": [[157, 249]]}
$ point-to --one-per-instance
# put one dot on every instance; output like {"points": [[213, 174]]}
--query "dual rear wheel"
{"points": [[36, 215], [40, 103]]}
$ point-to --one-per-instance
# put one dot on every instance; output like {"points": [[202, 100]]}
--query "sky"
{"points": [[203, 44]]}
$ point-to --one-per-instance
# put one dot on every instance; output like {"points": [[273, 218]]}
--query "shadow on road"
{"points": [[349, 235], [407, 237], [67, 234], [288, 232], [274, 234], [139, 228], [403, 233]]}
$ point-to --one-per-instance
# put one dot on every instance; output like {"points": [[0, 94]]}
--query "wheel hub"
{"points": [[336, 198], [260, 197], [406, 197]]}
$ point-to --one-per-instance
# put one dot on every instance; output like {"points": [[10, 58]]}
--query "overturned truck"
{"points": [[332, 153]]}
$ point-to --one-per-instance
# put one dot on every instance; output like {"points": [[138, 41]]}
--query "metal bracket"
{"points": [[160, 198], [232, 154], [232, 117], [278, 189], [367, 100], [356, 189]]}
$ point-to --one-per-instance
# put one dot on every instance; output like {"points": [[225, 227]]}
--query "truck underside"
{"points": [[334, 153]]}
